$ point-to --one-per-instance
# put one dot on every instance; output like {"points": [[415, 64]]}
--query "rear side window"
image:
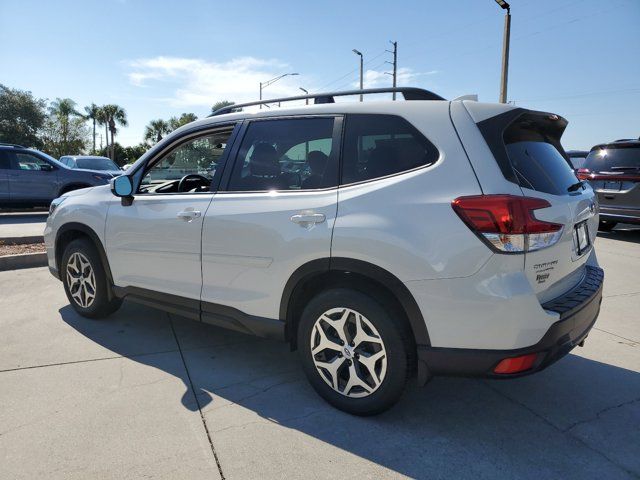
{"points": [[613, 158], [533, 149], [379, 145], [286, 154]]}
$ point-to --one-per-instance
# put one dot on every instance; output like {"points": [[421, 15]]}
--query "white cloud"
{"points": [[406, 76], [196, 82]]}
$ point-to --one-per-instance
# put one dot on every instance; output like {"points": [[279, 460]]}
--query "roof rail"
{"points": [[2, 144], [409, 93]]}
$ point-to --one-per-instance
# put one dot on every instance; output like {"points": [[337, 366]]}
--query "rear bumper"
{"points": [[578, 309]]}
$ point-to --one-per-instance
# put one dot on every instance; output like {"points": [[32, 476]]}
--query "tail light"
{"points": [[507, 223], [583, 173]]}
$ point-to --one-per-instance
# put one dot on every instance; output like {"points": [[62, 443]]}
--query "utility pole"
{"points": [[505, 50], [357, 52], [395, 65]]}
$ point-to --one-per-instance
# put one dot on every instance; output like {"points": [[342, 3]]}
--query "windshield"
{"points": [[611, 158], [96, 164]]}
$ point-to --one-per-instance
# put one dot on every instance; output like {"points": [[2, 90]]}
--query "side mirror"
{"points": [[122, 186], [45, 167]]}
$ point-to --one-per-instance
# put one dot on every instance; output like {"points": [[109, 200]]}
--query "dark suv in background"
{"points": [[30, 178], [613, 170]]}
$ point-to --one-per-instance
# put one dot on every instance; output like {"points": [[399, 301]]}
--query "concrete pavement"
{"points": [[22, 224], [147, 394]]}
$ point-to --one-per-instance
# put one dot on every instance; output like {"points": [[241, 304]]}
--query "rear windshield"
{"points": [[613, 158], [533, 150], [96, 164]]}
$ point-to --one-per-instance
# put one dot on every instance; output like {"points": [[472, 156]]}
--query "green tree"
{"points": [[177, 122], [21, 117], [63, 111], [156, 129], [222, 104], [70, 137], [114, 115], [93, 113]]}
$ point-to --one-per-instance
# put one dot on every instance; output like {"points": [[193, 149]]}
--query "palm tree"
{"points": [[156, 130], [93, 114], [114, 114], [64, 109], [177, 122]]}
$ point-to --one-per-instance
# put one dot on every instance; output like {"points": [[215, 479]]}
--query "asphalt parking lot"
{"points": [[145, 394]]}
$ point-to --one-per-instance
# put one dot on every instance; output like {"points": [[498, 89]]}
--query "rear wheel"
{"points": [[606, 226], [353, 353], [85, 280]]}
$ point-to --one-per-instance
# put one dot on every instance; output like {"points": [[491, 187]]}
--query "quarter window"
{"points": [[286, 154], [380, 145]]}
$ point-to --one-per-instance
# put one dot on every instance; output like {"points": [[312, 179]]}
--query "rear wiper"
{"points": [[575, 186], [626, 168]]}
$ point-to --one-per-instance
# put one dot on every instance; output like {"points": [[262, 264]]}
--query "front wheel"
{"points": [[85, 280], [352, 351]]}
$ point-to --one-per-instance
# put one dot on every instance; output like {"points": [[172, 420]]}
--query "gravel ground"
{"points": [[20, 249]]}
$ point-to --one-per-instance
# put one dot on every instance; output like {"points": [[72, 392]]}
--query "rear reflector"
{"points": [[507, 223], [516, 364]]}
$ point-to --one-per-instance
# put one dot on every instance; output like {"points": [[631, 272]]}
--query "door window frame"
{"points": [[336, 144], [139, 172]]}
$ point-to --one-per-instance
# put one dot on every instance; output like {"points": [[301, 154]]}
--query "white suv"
{"points": [[381, 239]]}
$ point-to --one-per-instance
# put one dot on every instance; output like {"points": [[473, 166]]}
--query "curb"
{"points": [[21, 240], [25, 260]]}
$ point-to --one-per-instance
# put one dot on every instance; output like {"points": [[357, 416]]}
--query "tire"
{"points": [[366, 395], [79, 260], [606, 226]]}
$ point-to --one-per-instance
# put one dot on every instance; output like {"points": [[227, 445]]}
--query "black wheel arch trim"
{"points": [[89, 232], [348, 265]]}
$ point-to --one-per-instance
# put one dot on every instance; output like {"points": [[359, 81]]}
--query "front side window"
{"points": [[189, 167], [286, 154], [380, 145]]}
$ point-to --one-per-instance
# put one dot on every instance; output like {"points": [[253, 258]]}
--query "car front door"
{"points": [[32, 178], [154, 242], [275, 213]]}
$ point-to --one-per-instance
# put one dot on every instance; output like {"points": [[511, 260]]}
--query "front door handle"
{"points": [[188, 215], [306, 219]]}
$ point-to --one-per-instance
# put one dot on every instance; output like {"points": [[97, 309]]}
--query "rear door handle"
{"points": [[305, 219], [188, 215]]}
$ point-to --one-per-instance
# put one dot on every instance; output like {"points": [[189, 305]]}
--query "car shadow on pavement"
{"points": [[624, 233], [545, 424]]}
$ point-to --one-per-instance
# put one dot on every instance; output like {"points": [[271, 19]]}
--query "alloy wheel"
{"points": [[81, 280], [348, 352]]}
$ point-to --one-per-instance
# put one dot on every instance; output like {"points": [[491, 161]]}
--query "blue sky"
{"points": [[578, 58]]}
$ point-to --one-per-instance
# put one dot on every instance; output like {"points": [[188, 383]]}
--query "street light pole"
{"points": [[306, 92], [264, 85], [505, 50], [361, 70]]}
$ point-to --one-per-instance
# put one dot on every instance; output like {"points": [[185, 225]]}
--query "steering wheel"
{"points": [[192, 176]]}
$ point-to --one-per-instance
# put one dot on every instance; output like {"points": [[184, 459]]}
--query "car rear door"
{"points": [[276, 213]]}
